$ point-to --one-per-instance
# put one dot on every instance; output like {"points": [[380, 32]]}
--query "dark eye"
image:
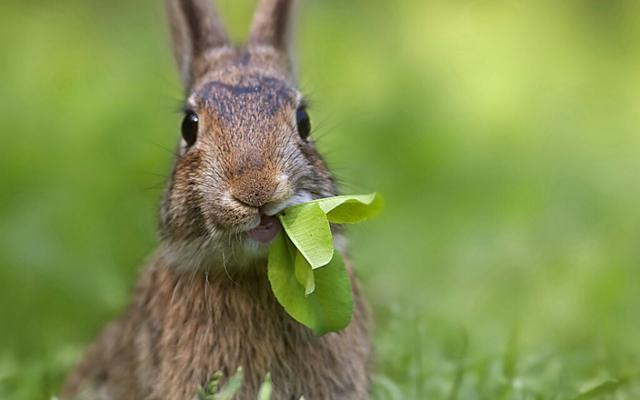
{"points": [[304, 124], [190, 128]]}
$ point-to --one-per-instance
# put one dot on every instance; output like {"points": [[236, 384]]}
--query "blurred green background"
{"points": [[503, 134]]}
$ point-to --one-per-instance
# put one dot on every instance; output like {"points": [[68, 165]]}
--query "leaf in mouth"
{"points": [[307, 275]]}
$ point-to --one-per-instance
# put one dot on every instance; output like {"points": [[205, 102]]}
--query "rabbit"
{"points": [[203, 303]]}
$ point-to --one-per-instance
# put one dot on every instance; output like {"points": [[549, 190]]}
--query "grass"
{"points": [[503, 136]]}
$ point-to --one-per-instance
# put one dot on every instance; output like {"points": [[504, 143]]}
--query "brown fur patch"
{"points": [[182, 327]]}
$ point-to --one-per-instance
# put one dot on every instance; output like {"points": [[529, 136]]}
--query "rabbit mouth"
{"points": [[266, 231], [269, 226]]}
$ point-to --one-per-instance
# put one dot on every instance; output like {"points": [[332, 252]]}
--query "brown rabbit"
{"points": [[204, 303]]}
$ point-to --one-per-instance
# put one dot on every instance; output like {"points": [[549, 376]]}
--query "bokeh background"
{"points": [[503, 134]]}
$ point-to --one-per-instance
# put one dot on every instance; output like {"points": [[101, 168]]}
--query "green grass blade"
{"points": [[607, 387]]}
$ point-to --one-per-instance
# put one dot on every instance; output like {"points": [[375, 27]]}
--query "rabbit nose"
{"points": [[253, 188]]}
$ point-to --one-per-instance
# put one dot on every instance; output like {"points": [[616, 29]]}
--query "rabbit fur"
{"points": [[203, 303]]}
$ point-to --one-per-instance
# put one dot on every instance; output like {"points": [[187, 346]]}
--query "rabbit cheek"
{"points": [[182, 215]]}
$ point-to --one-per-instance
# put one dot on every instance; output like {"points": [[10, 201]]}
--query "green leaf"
{"points": [[328, 308], [308, 229], [304, 273], [307, 277], [350, 209]]}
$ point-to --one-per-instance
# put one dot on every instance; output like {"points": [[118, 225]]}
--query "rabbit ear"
{"points": [[195, 29], [271, 24]]}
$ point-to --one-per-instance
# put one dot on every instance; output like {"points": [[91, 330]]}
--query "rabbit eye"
{"points": [[304, 124], [190, 128]]}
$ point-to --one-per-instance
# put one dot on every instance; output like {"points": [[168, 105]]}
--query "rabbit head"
{"points": [[245, 152]]}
